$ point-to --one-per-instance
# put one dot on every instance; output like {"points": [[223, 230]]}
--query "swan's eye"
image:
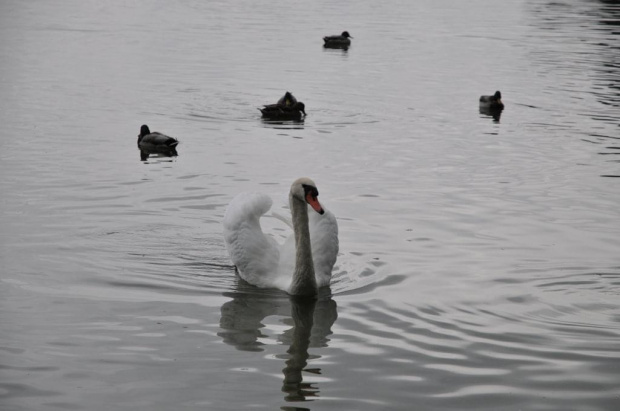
{"points": [[310, 190]]}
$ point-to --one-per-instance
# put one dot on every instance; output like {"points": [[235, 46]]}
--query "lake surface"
{"points": [[479, 264]]}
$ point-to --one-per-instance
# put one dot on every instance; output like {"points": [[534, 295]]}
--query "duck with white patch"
{"points": [[156, 143]]}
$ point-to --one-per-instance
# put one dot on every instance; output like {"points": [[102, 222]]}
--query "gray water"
{"points": [[479, 264]]}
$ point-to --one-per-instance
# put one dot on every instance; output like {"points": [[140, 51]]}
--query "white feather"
{"points": [[259, 259]]}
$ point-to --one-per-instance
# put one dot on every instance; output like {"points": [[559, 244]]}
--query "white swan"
{"points": [[304, 262]]}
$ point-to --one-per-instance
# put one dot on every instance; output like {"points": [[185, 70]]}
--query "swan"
{"points": [[341, 40], [156, 143], [304, 262], [492, 102]]}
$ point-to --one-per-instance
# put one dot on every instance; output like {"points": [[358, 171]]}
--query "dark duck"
{"points": [[287, 108], [156, 143], [493, 102], [338, 41]]}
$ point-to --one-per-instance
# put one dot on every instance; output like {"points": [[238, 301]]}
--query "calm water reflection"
{"points": [[479, 261]]}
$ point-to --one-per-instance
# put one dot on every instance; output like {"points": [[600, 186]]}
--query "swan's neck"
{"points": [[304, 281]]}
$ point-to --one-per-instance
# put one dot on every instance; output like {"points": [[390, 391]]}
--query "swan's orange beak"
{"points": [[314, 203]]}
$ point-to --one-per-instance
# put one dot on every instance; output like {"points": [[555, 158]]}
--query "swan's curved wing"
{"points": [[324, 240], [255, 254]]}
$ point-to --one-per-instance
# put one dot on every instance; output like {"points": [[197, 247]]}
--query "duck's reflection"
{"points": [[493, 112], [343, 48], [283, 124], [311, 320], [145, 154]]}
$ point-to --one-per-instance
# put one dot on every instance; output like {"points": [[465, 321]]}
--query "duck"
{"points": [[288, 99], [492, 102], [156, 143], [341, 40], [287, 108], [304, 262]]}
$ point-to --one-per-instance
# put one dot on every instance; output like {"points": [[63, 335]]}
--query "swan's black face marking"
{"points": [[311, 194], [311, 189]]}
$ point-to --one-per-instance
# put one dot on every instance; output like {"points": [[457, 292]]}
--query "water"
{"points": [[479, 262]]}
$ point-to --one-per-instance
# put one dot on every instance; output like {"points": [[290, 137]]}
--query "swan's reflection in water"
{"points": [[311, 321]]}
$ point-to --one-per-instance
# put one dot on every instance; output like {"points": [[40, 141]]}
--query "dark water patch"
{"points": [[28, 369], [11, 391], [190, 176], [63, 405], [12, 350]]}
